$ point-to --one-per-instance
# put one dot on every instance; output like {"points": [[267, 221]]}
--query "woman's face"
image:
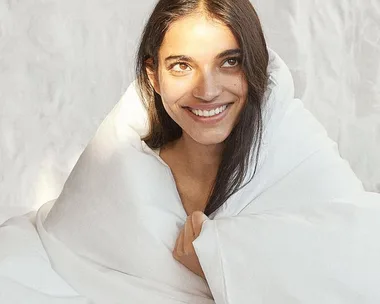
{"points": [[200, 78]]}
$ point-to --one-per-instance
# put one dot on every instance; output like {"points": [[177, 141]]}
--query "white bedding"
{"points": [[26, 275], [302, 231]]}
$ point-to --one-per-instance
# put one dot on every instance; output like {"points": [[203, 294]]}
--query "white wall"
{"points": [[64, 65]]}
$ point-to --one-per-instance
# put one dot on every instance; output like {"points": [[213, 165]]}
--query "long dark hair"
{"points": [[243, 144]]}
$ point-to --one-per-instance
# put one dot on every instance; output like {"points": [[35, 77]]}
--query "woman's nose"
{"points": [[207, 87]]}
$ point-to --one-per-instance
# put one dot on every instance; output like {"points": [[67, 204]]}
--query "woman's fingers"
{"points": [[188, 236], [190, 231], [178, 249], [198, 218], [184, 251]]}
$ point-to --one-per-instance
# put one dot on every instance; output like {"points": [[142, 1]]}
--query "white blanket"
{"points": [[302, 231]]}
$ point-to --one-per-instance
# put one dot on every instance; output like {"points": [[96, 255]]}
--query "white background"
{"points": [[65, 64]]}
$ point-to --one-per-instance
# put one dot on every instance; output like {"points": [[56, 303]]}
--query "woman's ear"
{"points": [[152, 75]]}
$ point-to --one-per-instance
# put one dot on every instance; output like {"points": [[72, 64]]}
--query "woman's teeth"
{"points": [[204, 113]]}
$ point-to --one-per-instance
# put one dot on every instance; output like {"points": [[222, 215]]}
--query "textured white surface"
{"points": [[64, 65]]}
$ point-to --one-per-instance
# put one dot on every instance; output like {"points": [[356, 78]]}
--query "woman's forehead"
{"points": [[197, 36]]}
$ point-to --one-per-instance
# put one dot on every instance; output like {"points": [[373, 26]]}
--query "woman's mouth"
{"points": [[206, 113], [209, 116]]}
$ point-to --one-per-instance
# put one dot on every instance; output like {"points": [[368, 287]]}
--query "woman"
{"points": [[231, 176], [229, 70], [201, 126]]}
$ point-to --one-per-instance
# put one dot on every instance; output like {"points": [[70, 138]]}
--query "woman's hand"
{"points": [[184, 251]]}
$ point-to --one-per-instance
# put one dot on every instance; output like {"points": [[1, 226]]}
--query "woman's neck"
{"points": [[200, 161]]}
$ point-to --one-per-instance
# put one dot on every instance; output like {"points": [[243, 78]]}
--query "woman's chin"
{"points": [[211, 139]]}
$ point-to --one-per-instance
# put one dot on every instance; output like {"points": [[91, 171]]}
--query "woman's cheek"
{"points": [[169, 96], [235, 83], [173, 92]]}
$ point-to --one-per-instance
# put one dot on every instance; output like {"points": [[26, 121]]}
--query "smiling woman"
{"points": [[202, 73], [246, 201]]}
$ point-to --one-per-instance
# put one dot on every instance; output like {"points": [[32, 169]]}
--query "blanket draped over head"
{"points": [[303, 230]]}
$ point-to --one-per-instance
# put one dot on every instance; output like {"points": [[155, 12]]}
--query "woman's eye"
{"points": [[232, 62], [181, 67]]}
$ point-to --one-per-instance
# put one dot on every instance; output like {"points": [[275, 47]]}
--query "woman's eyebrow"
{"points": [[226, 53], [231, 52]]}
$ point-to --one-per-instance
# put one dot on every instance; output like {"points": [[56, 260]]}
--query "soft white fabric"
{"points": [[302, 231]]}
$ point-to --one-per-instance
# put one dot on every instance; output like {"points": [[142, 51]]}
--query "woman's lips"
{"points": [[209, 120], [207, 107]]}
